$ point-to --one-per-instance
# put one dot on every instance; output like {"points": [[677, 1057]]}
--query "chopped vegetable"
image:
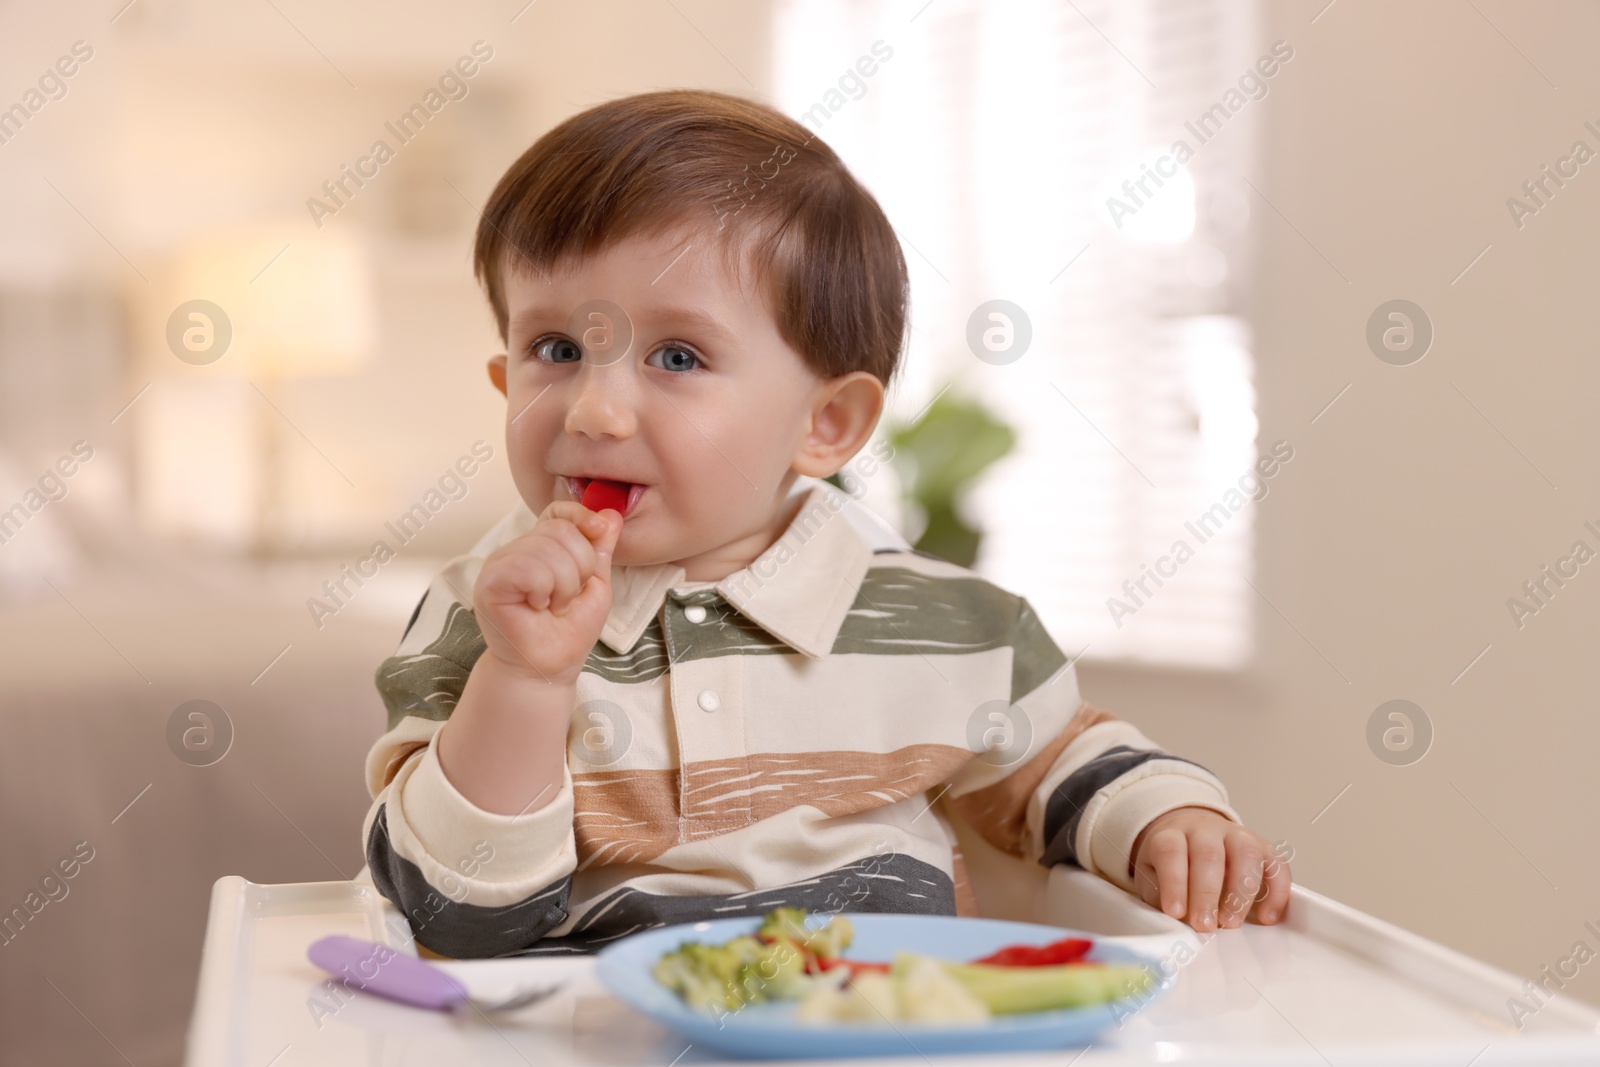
{"points": [[786, 960], [602, 494], [820, 949], [703, 975], [923, 988], [784, 922], [777, 970], [742, 971], [1067, 950], [746, 970], [928, 993], [1005, 990], [916, 989]]}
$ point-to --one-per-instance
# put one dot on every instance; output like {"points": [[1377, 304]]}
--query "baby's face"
{"points": [[704, 413]]}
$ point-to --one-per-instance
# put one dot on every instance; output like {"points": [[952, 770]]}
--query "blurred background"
{"points": [[1298, 286]]}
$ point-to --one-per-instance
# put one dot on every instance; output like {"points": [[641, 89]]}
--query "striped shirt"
{"points": [[798, 733]]}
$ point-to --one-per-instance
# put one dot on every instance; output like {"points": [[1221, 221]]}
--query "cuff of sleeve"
{"points": [[1131, 809], [445, 823]]}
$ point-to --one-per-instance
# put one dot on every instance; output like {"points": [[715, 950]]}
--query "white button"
{"points": [[709, 701], [695, 613]]}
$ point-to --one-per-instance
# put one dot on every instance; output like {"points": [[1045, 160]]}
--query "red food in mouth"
{"points": [[601, 494]]}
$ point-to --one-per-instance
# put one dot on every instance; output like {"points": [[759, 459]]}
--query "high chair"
{"points": [[1328, 984]]}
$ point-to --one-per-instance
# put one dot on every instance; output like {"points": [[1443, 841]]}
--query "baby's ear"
{"points": [[846, 411], [497, 372]]}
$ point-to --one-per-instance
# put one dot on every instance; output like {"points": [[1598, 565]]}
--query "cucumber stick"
{"points": [[1005, 990]]}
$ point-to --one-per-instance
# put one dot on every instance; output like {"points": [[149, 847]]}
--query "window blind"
{"points": [[998, 137]]}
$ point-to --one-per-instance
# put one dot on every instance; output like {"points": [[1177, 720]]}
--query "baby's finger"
{"points": [[570, 539], [1207, 863], [596, 595], [1242, 883], [1276, 901], [581, 517], [606, 544], [512, 579], [1146, 885], [1168, 854], [568, 580]]}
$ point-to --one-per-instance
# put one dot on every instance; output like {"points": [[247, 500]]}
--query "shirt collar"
{"points": [[799, 590]]}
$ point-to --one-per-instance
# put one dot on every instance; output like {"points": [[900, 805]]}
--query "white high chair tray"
{"points": [[1329, 986]]}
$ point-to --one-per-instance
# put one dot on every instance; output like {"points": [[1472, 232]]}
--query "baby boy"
{"points": [[717, 690]]}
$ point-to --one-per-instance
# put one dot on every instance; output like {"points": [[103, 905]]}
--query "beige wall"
{"points": [[191, 117], [1406, 521]]}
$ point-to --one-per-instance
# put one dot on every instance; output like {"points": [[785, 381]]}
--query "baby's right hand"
{"points": [[542, 599]]}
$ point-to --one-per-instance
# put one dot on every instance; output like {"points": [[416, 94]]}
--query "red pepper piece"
{"points": [[1067, 950], [602, 494]]}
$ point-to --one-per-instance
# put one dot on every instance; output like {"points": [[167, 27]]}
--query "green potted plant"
{"points": [[939, 456]]}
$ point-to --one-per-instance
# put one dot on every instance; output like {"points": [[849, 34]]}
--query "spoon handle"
{"points": [[386, 971]]}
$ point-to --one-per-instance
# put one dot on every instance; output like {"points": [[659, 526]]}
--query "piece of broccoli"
{"points": [[827, 942], [777, 972], [731, 975], [749, 969], [787, 923], [830, 942], [706, 975]]}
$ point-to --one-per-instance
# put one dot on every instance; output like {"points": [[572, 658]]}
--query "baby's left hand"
{"points": [[1189, 861]]}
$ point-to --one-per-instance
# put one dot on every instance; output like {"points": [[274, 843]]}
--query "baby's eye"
{"points": [[675, 358], [559, 349]]}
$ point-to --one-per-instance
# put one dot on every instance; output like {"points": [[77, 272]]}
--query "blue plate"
{"points": [[770, 1030]]}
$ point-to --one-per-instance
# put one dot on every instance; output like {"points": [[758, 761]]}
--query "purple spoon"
{"points": [[388, 972]]}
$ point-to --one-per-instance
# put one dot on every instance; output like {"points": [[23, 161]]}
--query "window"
{"points": [[998, 137]]}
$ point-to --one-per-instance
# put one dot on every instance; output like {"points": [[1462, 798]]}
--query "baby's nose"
{"points": [[600, 403]]}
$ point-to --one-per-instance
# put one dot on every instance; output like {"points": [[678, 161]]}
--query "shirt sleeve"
{"points": [[471, 883], [1061, 781]]}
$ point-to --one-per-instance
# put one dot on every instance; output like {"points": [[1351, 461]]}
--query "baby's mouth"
{"points": [[578, 487]]}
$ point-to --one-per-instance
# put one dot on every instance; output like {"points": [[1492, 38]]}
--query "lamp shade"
{"points": [[298, 303]]}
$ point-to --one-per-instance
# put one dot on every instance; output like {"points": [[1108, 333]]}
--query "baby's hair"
{"points": [[764, 185]]}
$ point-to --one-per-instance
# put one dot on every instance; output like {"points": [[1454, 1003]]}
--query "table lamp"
{"points": [[298, 304]]}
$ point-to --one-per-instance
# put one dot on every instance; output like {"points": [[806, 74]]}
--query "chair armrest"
{"points": [[1074, 898]]}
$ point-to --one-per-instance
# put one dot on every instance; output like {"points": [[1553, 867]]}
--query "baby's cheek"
{"points": [[534, 492]]}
